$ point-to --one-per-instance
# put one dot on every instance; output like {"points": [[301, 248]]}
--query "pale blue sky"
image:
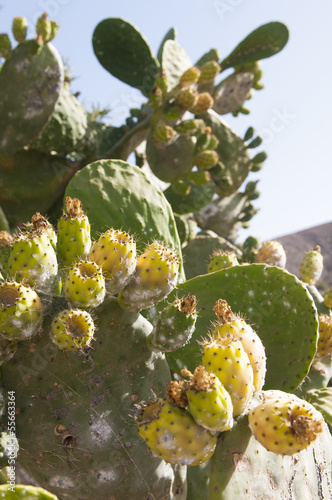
{"points": [[293, 113]]}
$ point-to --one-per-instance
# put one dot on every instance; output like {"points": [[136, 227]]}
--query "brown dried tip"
{"points": [[318, 249], [6, 239], [187, 305], [176, 393], [223, 311], [202, 380], [305, 428], [74, 208], [38, 222]]}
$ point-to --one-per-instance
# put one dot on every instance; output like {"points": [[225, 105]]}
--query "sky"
{"points": [[293, 113]]}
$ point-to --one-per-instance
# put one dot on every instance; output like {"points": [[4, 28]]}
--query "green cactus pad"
{"points": [[233, 154], [116, 194], [30, 84], [66, 128], [173, 161], [123, 52], [170, 35], [265, 41], [23, 194], [242, 468], [174, 61], [277, 306], [81, 417], [196, 197], [23, 492]]}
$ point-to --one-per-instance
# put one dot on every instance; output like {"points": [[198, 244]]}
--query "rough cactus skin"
{"points": [[209, 402], [174, 326], [154, 278], [324, 346], [85, 285], [115, 252], [33, 260], [72, 329], [21, 311], [227, 359], [93, 398], [284, 423], [172, 434], [74, 239], [311, 266], [272, 253]]}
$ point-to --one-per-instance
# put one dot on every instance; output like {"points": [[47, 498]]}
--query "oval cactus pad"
{"points": [[274, 302]]}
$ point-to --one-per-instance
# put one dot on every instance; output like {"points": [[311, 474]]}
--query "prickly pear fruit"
{"points": [[272, 253], [209, 71], [115, 253], [174, 326], [190, 77], [6, 242], [162, 135], [227, 359], [311, 266], [155, 277], [40, 222], [43, 29], [21, 311], [186, 98], [85, 285], [19, 29], [5, 46], [327, 295], [324, 346], [208, 401], [232, 326], [192, 126], [72, 329], [74, 241], [204, 160], [221, 260], [172, 434], [33, 260], [284, 423], [202, 104]]}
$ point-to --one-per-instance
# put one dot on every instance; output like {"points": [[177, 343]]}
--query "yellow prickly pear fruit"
{"points": [[324, 346], [311, 266], [221, 260], [186, 98], [271, 253], [190, 77], [204, 160], [328, 298], [209, 71], [72, 329], [43, 28], [203, 103], [284, 423], [19, 29]]}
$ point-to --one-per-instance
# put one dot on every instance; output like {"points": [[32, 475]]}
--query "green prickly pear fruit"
{"points": [[115, 253], [173, 435], [21, 311], [85, 285], [174, 326], [155, 277], [324, 346], [311, 266], [5, 46], [6, 242], [250, 248], [284, 423], [33, 259], [204, 160], [232, 326], [43, 29], [209, 71], [191, 126], [156, 98], [19, 28], [72, 329], [190, 77], [54, 30], [202, 104], [162, 135], [186, 98], [208, 401], [327, 295], [74, 241], [227, 359], [271, 253], [221, 260]]}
